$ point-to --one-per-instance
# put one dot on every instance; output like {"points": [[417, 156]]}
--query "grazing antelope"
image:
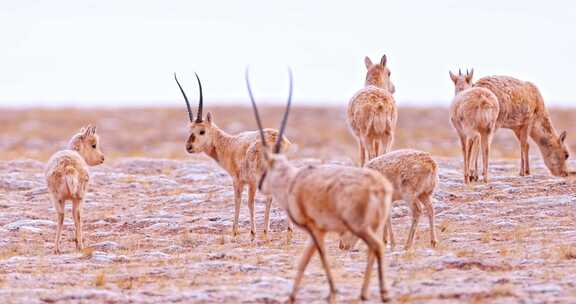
{"points": [[328, 199], [372, 112], [522, 109], [239, 155], [67, 178], [414, 176], [473, 113]]}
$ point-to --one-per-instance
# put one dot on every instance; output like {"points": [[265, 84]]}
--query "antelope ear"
{"points": [[383, 60], [469, 76], [368, 62], [85, 131], [76, 142], [453, 77], [209, 117], [562, 136]]}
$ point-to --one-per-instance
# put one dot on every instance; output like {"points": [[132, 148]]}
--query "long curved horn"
{"points": [[200, 101], [278, 144], [186, 99], [255, 108]]}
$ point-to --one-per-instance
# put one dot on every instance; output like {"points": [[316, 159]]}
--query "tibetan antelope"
{"points": [[239, 155], [67, 178], [323, 199], [522, 109], [414, 176], [473, 113], [372, 112]]}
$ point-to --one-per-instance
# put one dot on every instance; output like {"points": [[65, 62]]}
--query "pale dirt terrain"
{"points": [[158, 221]]}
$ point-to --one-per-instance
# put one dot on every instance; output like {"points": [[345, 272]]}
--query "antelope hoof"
{"points": [[363, 297], [291, 299], [332, 298], [384, 297], [434, 243], [57, 251], [235, 232], [79, 245], [290, 233], [392, 244], [289, 236]]}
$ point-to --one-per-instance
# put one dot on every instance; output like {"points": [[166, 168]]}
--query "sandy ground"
{"points": [[158, 221]]}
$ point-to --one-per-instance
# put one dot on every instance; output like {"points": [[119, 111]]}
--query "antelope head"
{"points": [[87, 144], [555, 153], [202, 131], [461, 82], [379, 74]]}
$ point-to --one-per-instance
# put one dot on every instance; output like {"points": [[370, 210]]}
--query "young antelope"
{"points": [[372, 112], [414, 176], [522, 109], [67, 178], [473, 113]]}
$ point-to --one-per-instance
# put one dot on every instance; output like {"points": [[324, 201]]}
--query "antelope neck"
{"points": [[219, 144]]}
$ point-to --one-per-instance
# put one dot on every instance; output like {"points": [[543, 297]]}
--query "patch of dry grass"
{"points": [[445, 226], [100, 279], [486, 236]]}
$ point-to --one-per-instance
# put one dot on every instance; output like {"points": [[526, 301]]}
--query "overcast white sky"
{"points": [[90, 53]]}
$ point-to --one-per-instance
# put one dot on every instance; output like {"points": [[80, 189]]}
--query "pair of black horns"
{"points": [[278, 144], [200, 100]]}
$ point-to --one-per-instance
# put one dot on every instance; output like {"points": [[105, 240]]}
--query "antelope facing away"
{"points": [[522, 109], [414, 176], [473, 113], [372, 112], [240, 155], [67, 178], [328, 199]]}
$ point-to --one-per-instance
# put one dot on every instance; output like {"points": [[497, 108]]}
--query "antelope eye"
{"points": [[566, 155], [389, 73], [202, 132], [93, 146]]}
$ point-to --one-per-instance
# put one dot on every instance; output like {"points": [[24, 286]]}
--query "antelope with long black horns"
{"points": [[240, 155], [328, 198]]}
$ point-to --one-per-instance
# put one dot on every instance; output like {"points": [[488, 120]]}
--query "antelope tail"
{"points": [[380, 121], [71, 179]]}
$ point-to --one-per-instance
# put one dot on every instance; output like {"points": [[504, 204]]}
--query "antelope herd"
{"points": [[354, 202]]}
